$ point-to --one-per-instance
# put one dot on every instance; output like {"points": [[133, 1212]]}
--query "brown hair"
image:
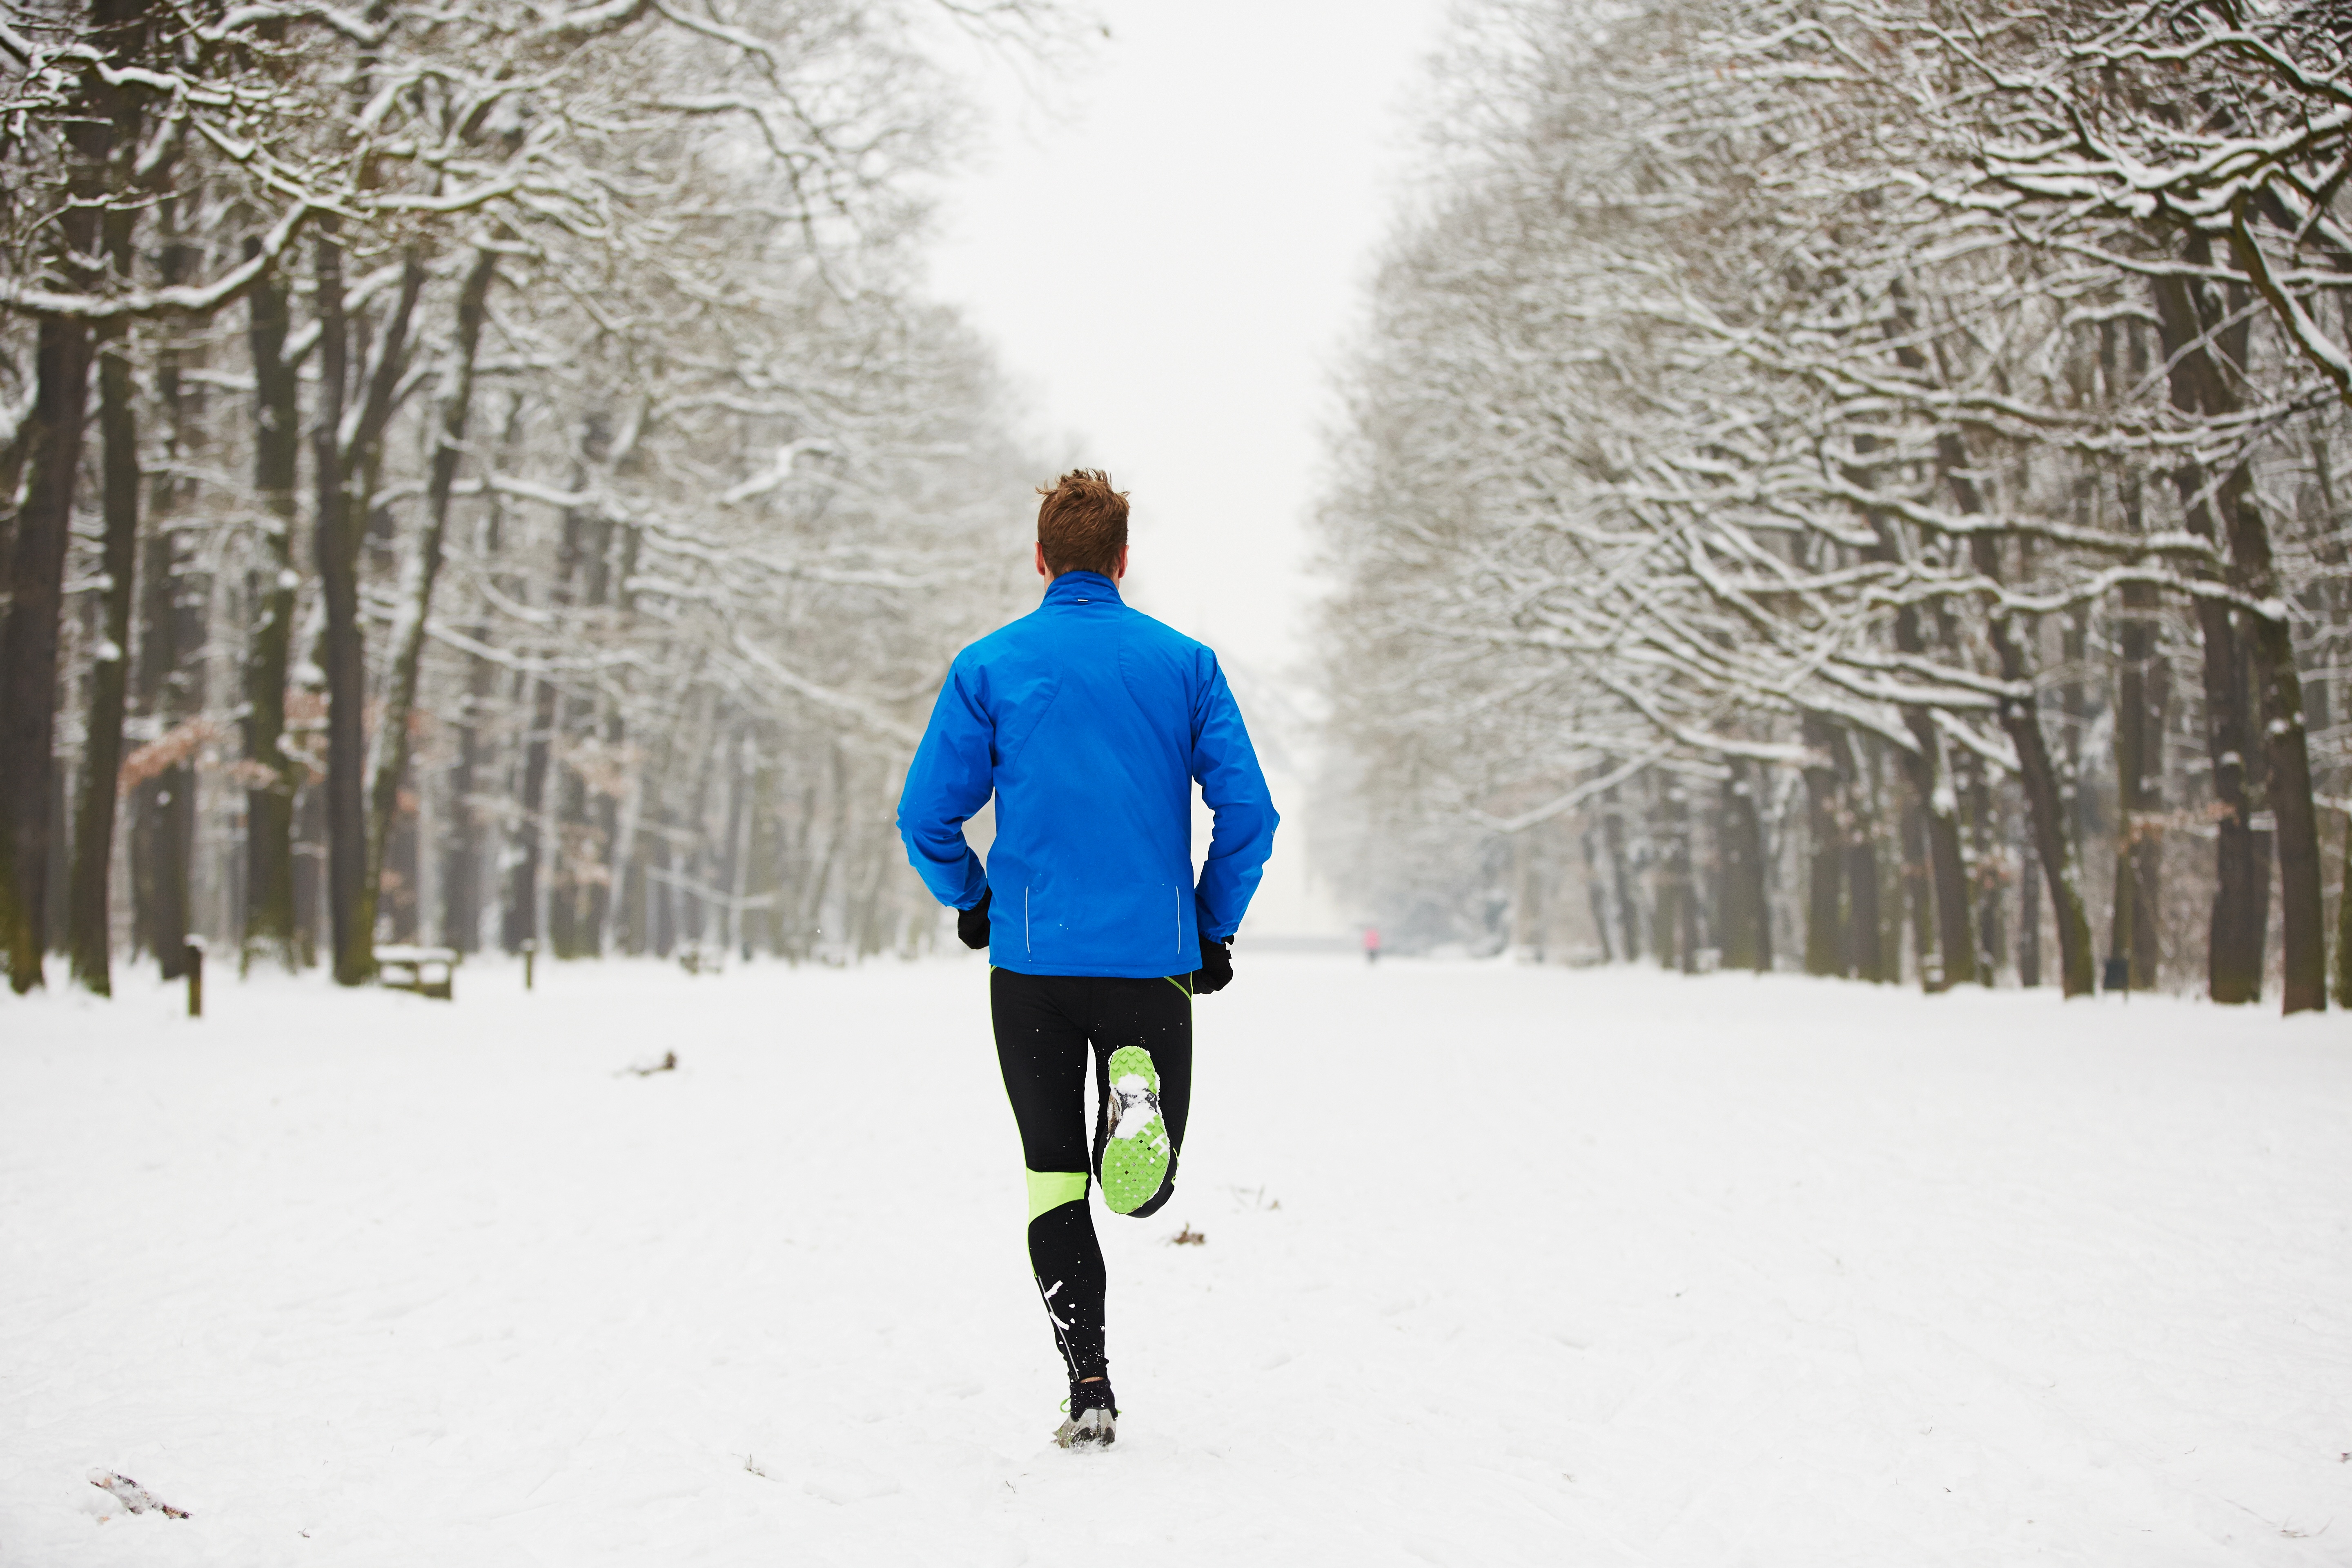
{"points": [[1082, 524]]}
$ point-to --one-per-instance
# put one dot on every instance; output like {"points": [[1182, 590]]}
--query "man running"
{"points": [[1090, 722]]}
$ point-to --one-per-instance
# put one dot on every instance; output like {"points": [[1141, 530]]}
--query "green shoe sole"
{"points": [[1135, 1155]]}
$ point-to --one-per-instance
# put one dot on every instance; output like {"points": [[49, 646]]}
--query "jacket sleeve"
{"points": [[1233, 788], [952, 776]]}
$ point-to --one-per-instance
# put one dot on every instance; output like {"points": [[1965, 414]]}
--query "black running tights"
{"points": [[1045, 1026]]}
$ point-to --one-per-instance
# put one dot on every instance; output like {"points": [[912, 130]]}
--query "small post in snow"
{"points": [[529, 952], [2119, 976], [195, 966]]}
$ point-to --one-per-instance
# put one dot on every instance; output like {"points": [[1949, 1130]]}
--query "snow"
{"points": [[1138, 1106], [1502, 1265]]}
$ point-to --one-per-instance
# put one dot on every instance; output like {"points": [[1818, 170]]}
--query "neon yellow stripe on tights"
{"points": [[1049, 1190]]}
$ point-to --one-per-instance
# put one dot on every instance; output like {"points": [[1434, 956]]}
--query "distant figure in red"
{"points": [[1372, 944]]}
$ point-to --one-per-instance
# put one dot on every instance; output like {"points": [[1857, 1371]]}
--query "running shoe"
{"points": [[1093, 1418], [1135, 1154]]}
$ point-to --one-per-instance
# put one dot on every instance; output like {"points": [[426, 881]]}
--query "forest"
{"points": [[1855, 486], [1849, 487], [485, 475]]}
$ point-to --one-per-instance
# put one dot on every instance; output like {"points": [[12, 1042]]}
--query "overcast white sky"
{"points": [[1169, 253]]}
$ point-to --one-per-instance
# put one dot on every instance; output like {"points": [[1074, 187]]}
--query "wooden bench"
{"points": [[428, 971]]}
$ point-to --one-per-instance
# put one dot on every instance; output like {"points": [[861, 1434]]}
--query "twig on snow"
{"points": [[133, 1496]]}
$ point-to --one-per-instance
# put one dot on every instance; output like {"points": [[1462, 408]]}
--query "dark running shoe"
{"points": [[1093, 1418]]}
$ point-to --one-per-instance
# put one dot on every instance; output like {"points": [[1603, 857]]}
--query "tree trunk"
{"points": [[522, 894], [89, 929], [528, 907], [12, 469], [1918, 884], [470, 876], [2344, 924], [611, 830], [1665, 902], [567, 813], [270, 806], [461, 877], [309, 857], [2021, 718], [2147, 844], [1865, 929], [1824, 946], [1931, 832], [28, 642], [163, 827], [2029, 913], [2140, 684], [1621, 876], [624, 903], [576, 915], [1946, 879], [1865, 933], [1747, 923], [89, 926], [1596, 900], [626, 923], [2143, 688], [766, 881], [2241, 907], [2189, 322], [1680, 949], [2076, 785], [742, 762], [98, 140], [663, 887], [336, 546], [2302, 928], [390, 760], [163, 819], [396, 898], [1987, 868], [53, 921], [1686, 890], [2045, 803]]}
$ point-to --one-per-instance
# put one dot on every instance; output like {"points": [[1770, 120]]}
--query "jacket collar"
{"points": [[1081, 586]]}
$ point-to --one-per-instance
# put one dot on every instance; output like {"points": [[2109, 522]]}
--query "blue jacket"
{"points": [[1090, 722]]}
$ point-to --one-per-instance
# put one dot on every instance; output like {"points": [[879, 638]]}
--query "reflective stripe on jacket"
{"points": [[1090, 723]]}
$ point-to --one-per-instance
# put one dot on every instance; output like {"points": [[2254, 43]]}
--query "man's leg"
{"points": [[1156, 1017], [1042, 1049]]}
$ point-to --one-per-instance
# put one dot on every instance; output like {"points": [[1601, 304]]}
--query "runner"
{"points": [[1090, 723]]}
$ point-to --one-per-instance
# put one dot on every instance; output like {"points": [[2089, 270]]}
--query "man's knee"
{"points": [[1049, 1190]]}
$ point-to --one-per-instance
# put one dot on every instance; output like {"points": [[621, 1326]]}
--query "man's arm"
{"points": [[952, 777], [1234, 790]]}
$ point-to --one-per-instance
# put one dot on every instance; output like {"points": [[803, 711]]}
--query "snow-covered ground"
{"points": [[1502, 1265]]}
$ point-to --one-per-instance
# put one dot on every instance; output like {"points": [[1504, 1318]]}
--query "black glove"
{"points": [[1216, 971], [972, 924]]}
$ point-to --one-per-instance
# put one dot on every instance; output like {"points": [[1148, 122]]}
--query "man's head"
{"points": [[1082, 526]]}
